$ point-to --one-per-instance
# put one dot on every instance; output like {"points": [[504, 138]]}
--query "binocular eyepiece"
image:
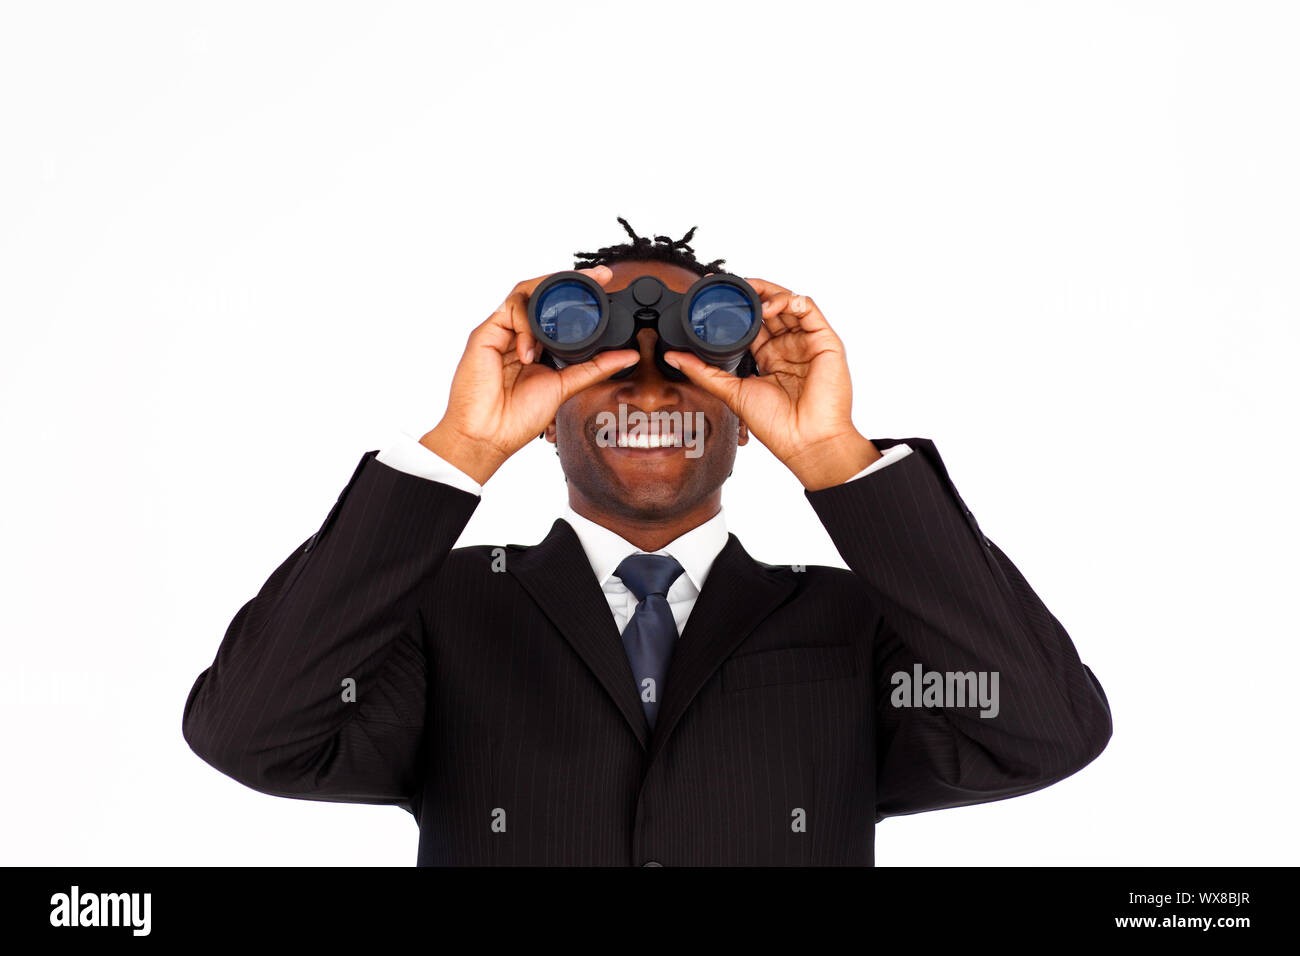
{"points": [[716, 318]]}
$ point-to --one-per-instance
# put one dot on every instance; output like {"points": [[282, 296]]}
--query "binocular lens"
{"points": [[568, 313], [721, 315]]}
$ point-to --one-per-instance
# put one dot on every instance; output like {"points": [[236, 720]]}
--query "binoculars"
{"points": [[716, 318]]}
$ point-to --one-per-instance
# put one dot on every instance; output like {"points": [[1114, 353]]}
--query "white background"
{"points": [[242, 244]]}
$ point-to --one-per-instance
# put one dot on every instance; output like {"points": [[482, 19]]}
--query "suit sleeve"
{"points": [[318, 688], [951, 601]]}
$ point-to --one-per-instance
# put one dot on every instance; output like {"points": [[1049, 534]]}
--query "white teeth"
{"points": [[642, 440]]}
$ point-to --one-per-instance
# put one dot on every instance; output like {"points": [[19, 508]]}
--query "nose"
{"points": [[645, 386]]}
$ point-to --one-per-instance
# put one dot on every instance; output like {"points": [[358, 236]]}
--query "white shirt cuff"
{"points": [[405, 453], [887, 457]]}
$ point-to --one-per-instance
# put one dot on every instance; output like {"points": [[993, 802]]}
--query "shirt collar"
{"points": [[695, 550]]}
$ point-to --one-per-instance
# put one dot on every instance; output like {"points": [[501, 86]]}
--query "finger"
{"points": [[492, 335], [791, 311], [765, 288], [775, 317], [769, 294], [503, 330], [721, 385], [805, 312], [574, 378]]}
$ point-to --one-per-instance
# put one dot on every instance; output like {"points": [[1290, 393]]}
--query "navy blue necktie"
{"points": [[651, 634]]}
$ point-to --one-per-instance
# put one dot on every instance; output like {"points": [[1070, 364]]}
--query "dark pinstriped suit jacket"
{"points": [[492, 686]]}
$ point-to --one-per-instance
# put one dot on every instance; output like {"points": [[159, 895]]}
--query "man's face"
{"points": [[645, 483]]}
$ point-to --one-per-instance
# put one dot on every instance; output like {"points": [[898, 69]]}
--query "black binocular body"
{"points": [[717, 318]]}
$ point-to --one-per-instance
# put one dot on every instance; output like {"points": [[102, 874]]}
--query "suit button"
{"points": [[652, 863]]}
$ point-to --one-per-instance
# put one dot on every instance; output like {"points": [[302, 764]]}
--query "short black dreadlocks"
{"points": [[663, 249], [675, 251]]}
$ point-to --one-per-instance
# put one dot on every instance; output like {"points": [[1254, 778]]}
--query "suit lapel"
{"points": [[738, 594], [557, 574]]}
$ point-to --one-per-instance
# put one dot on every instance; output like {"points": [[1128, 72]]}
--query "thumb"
{"points": [[574, 378], [721, 385]]}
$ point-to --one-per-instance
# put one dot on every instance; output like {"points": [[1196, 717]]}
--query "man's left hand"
{"points": [[801, 405]]}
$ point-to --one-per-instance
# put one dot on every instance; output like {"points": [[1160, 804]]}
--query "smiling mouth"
{"points": [[664, 436]]}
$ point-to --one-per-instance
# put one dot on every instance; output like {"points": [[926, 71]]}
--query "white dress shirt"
{"points": [[695, 550]]}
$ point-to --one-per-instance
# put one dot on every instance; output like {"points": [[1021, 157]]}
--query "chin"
{"points": [[652, 502], [653, 507]]}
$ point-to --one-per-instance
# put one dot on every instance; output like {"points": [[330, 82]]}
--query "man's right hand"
{"points": [[501, 396]]}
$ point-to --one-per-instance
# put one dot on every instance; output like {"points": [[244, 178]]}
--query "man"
{"points": [[636, 689]]}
